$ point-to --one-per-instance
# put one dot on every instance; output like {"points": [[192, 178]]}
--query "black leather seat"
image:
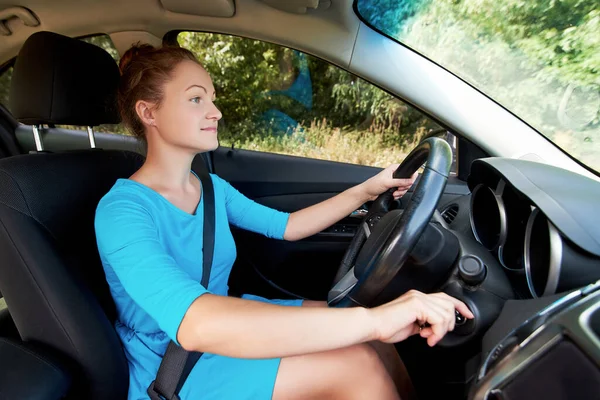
{"points": [[50, 272], [29, 373]]}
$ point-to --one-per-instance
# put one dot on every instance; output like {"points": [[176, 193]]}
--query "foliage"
{"points": [[528, 55], [249, 77], [240, 70], [560, 36]]}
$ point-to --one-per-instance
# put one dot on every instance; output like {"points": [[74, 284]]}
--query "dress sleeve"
{"points": [[247, 214], [128, 243]]}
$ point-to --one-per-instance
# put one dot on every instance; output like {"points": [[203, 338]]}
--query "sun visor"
{"points": [[211, 8]]}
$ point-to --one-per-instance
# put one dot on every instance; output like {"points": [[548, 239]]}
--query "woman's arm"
{"points": [[314, 219], [250, 329]]}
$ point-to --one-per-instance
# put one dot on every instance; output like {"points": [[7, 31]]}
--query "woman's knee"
{"points": [[362, 355], [347, 373], [355, 367], [366, 374]]}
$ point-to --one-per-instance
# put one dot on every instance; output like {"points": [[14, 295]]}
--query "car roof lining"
{"points": [[327, 32]]}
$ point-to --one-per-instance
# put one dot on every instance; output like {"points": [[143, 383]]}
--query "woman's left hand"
{"points": [[383, 181]]}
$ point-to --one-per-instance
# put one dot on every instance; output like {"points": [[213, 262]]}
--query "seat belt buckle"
{"points": [[154, 395]]}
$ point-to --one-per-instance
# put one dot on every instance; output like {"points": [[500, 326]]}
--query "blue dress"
{"points": [[151, 251]]}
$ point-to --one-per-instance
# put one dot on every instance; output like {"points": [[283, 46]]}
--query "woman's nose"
{"points": [[214, 112]]}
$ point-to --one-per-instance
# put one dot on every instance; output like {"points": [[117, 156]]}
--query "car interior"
{"points": [[513, 234]]}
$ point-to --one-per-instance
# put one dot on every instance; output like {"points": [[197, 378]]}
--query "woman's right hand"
{"points": [[404, 317]]}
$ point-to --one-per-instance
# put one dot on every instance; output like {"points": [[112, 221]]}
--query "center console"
{"points": [[553, 355]]}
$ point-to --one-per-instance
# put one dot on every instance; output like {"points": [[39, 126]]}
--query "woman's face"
{"points": [[188, 116]]}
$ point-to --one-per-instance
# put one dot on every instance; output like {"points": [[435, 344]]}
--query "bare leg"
{"points": [[390, 358], [396, 369], [350, 373]]}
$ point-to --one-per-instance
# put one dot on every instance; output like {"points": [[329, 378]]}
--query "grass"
{"points": [[322, 141]]}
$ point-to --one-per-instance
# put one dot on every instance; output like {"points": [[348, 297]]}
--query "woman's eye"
{"points": [[195, 100]]}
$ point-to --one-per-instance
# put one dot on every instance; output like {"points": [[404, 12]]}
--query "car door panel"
{"points": [[259, 174]]}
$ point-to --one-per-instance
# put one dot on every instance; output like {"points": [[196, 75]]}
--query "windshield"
{"points": [[538, 58]]}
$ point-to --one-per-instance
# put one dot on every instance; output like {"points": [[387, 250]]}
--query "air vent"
{"points": [[450, 213]]}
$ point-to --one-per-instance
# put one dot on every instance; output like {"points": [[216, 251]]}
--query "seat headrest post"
{"points": [[39, 145], [91, 136]]}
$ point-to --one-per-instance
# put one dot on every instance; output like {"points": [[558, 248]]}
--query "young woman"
{"points": [[149, 233]]}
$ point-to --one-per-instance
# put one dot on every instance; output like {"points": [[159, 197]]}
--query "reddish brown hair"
{"points": [[144, 71]]}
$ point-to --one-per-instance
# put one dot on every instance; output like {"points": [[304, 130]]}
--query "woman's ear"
{"points": [[145, 112]]}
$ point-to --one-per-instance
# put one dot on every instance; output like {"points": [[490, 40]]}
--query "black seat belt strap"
{"points": [[177, 363]]}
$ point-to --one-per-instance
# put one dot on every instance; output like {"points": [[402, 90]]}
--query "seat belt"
{"points": [[177, 363]]}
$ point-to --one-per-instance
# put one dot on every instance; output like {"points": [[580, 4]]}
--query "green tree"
{"points": [[247, 75], [528, 55], [561, 36]]}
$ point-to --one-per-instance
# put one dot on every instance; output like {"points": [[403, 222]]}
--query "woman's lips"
{"points": [[210, 129]]}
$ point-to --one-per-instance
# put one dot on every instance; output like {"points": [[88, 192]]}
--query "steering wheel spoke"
{"points": [[366, 229], [342, 288]]}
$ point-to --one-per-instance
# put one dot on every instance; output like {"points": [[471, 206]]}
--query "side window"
{"points": [[279, 100], [102, 41]]}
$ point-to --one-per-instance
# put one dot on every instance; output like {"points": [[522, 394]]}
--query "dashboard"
{"points": [[542, 223]]}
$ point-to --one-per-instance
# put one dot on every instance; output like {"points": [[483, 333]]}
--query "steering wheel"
{"points": [[383, 242]]}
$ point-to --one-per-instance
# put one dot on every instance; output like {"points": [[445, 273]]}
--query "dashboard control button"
{"points": [[471, 269]]}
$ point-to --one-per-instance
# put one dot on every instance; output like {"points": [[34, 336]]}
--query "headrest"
{"points": [[60, 80]]}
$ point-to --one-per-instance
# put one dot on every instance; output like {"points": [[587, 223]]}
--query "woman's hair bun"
{"points": [[132, 53]]}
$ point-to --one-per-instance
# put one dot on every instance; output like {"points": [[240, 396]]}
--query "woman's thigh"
{"points": [[351, 372], [390, 358], [354, 372]]}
